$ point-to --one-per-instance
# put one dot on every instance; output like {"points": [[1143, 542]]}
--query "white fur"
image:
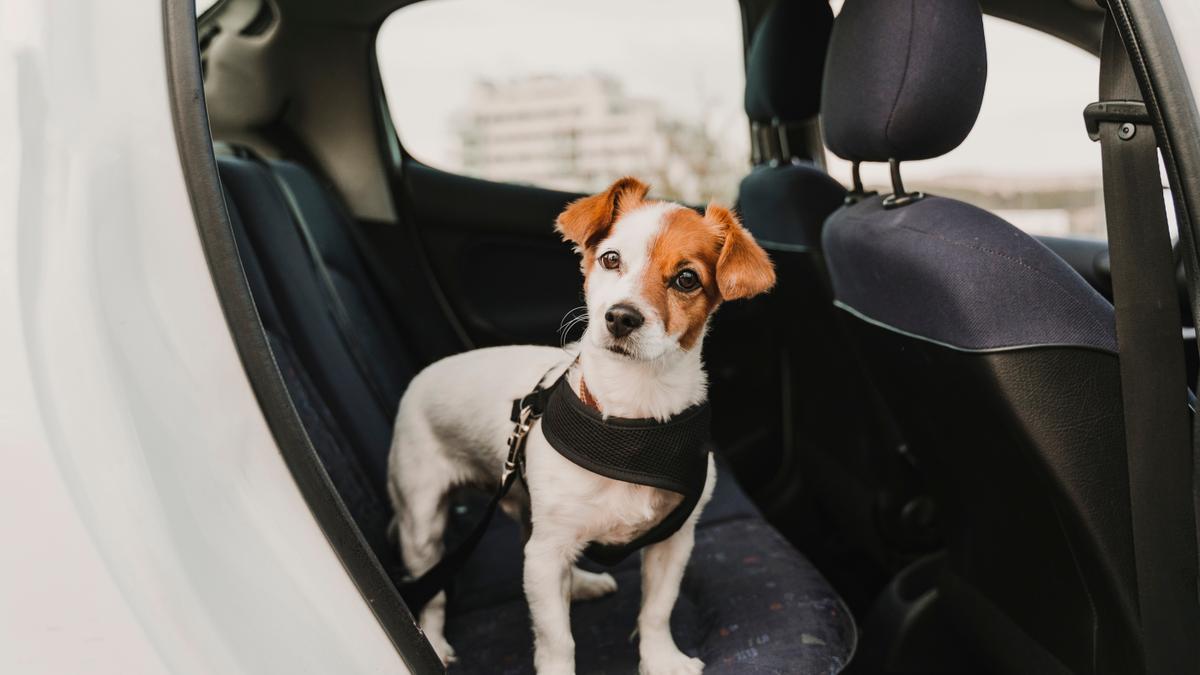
{"points": [[631, 238], [452, 427]]}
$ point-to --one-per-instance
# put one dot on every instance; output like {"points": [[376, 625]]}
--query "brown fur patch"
{"points": [[586, 221], [687, 241], [720, 251]]}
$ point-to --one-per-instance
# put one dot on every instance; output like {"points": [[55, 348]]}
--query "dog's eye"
{"points": [[686, 281], [610, 260]]}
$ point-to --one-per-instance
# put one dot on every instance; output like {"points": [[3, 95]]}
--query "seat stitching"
{"points": [[887, 129]]}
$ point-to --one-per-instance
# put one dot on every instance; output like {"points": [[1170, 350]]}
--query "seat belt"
{"points": [[333, 299], [1158, 443]]}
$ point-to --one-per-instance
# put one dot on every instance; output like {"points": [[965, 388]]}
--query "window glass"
{"points": [[572, 94], [1028, 158]]}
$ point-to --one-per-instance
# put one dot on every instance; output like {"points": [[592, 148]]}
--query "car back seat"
{"points": [[749, 603]]}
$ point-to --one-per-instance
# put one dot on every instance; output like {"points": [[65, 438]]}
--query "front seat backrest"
{"points": [[998, 358], [787, 196], [837, 430]]}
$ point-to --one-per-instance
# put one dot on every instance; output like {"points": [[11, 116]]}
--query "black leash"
{"points": [[1157, 443], [526, 410]]}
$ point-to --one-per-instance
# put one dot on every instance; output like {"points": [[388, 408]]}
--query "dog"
{"points": [[654, 273]]}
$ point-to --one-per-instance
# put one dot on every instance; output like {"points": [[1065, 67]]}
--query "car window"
{"points": [[572, 94], [1028, 158]]}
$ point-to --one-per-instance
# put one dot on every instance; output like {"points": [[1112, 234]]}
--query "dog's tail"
{"points": [[393, 531]]}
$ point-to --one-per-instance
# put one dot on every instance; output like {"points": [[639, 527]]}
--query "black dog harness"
{"points": [[670, 455]]}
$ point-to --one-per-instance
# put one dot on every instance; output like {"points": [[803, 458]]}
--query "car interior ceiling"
{"points": [[839, 439]]}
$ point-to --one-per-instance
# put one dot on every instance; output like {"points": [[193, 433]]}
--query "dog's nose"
{"points": [[623, 320]]}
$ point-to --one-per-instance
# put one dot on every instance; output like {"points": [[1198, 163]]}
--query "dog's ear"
{"points": [[743, 268], [586, 221]]}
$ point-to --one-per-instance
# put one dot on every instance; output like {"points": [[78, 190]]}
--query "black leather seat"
{"points": [[859, 494], [997, 357], [749, 600]]}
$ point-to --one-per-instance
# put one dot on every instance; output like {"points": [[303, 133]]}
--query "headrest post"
{"points": [[897, 181], [899, 197], [858, 192], [785, 148]]}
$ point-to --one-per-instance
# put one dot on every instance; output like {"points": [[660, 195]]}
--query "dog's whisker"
{"points": [[570, 320], [570, 315], [565, 335], [567, 325], [565, 330]]}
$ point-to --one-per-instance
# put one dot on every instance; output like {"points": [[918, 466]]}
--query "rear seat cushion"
{"points": [[749, 602]]}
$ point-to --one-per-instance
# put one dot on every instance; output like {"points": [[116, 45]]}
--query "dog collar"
{"points": [[586, 396], [670, 455]]}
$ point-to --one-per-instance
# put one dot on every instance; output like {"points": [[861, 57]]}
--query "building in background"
{"points": [[579, 133]]}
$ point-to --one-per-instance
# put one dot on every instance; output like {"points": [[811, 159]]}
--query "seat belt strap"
{"points": [[1153, 374]]}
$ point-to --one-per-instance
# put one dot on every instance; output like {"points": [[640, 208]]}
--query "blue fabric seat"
{"points": [[785, 199], [959, 275], [750, 601]]}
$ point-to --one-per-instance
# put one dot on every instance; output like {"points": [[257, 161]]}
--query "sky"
{"points": [[688, 54]]}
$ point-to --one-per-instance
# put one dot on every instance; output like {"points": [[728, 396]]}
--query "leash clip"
{"points": [[516, 440]]}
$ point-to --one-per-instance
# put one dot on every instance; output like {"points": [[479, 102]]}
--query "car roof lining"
{"points": [[296, 79]]}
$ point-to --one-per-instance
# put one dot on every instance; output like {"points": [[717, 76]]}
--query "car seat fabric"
{"points": [[944, 261], [785, 61], [366, 504], [785, 203], [303, 311], [915, 91], [998, 359], [750, 601], [748, 604], [785, 206]]}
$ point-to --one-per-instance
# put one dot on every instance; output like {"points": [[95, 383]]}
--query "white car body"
{"points": [[148, 521]]}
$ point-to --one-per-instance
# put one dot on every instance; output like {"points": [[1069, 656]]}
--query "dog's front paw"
{"points": [[663, 661], [444, 651], [587, 585]]}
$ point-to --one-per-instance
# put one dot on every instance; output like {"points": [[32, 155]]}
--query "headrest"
{"points": [[786, 60], [903, 79]]}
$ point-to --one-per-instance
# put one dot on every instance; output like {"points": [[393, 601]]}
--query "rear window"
{"points": [[572, 94]]}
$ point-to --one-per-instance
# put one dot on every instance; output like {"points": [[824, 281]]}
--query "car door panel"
{"points": [[492, 250]]}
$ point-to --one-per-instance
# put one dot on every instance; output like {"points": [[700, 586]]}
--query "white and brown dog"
{"points": [[654, 272]]}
